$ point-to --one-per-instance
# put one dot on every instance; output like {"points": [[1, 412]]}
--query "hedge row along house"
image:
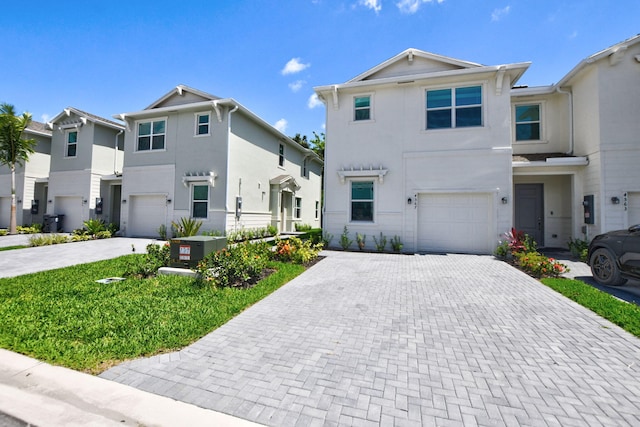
{"points": [[450, 154], [188, 154]]}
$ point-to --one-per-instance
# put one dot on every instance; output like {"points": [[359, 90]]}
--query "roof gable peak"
{"points": [[181, 94]]}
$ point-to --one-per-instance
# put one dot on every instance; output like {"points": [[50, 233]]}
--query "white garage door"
{"points": [[71, 208], [633, 209], [5, 211], [146, 214], [460, 222]]}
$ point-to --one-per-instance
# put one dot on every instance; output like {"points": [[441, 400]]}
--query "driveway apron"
{"points": [[382, 339]]}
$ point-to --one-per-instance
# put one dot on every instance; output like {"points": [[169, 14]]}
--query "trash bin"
{"points": [[53, 223], [46, 224], [59, 223]]}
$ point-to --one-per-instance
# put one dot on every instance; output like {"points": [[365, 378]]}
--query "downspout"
{"points": [[115, 153], [571, 134], [233, 110]]}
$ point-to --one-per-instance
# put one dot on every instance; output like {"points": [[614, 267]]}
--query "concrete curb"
{"points": [[46, 395]]}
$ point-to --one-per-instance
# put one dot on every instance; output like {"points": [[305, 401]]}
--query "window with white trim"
{"points": [[305, 172], [297, 209], [362, 108], [199, 200], [317, 209], [454, 108], [151, 135], [528, 122], [71, 143], [362, 201], [281, 155], [202, 124]]}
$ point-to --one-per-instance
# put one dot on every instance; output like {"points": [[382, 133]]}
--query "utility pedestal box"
{"points": [[186, 252]]}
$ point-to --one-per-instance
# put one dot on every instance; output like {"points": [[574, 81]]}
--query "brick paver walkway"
{"points": [[380, 339]]}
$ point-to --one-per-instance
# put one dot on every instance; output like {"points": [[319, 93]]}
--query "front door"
{"points": [[116, 195], [529, 211]]}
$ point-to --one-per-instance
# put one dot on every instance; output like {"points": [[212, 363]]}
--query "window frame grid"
{"points": [[205, 201], [151, 135], [372, 201], [68, 144], [541, 112], [453, 106], [198, 124]]}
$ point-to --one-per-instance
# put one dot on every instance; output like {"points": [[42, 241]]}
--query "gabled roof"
{"points": [[412, 55], [38, 128], [614, 53], [180, 91], [84, 116]]}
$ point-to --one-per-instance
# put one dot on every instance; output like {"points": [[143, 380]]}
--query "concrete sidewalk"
{"points": [[40, 394]]}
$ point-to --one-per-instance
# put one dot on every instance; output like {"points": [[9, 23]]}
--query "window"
{"points": [[297, 210], [528, 122], [151, 135], [202, 124], [362, 201], [454, 108], [317, 209], [304, 169], [200, 203], [362, 108], [72, 143], [281, 155]]}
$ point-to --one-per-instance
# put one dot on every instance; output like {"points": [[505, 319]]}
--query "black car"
{"points": [[614, 257]]}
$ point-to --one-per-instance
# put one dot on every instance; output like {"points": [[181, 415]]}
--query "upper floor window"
{"points": [[202, 123], [71, 143], [362, 108], [454, 108], [362, 201], [281, 155], [305, 171], [528, 122], [199, 201], [151, 135]]}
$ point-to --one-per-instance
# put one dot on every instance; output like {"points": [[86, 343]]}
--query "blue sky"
{"points": [[110, 57]]}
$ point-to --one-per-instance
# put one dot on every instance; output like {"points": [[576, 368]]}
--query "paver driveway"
{"points": [[368, 339]]}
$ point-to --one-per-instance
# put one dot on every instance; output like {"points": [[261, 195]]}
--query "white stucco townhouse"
{"points": [[86, 163], [30, 177], [449, 154], [194, 155]]}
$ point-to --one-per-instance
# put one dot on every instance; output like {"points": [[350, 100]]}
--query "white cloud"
{"points": [[297, 85], [314, 101], [411, 6], [281, 125], [498, 14], [45, 118], [294, 66], [375, 5]]}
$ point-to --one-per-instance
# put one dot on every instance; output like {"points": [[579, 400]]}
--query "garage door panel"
{"points": [[147, 213], [71, 208], [455, 222], [633, 209]]}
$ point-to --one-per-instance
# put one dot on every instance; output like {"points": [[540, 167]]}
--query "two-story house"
{"points": [[30, 180], [86, 161], [418, 147], [191, 154], [448, 155]]}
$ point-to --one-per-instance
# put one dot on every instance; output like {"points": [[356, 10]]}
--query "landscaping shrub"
{"points": [[396, 244], [361, 240], [345, 242], [303, 227], [245, 234], [29, 229], [297, 251], [148, 264], [186, 227], [579, 248], [3, 231], [326, 239], [538, 265], [236, 266], [47, 239], [380, 243], [162, 232]]}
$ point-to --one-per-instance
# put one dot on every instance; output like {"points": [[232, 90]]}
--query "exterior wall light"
{"points": [[168, 201], [409, 201], [124, 201], [615, 200], [505, 200]]}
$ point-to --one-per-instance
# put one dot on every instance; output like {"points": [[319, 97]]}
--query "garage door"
{"points": [[460, 222], [146, 214], [633, 210], [71, 208], [5, 211]]}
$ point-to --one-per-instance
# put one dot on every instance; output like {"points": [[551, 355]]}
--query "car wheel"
{"points": [[605, 269]]}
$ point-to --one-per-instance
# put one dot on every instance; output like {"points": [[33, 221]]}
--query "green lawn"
{"points": [[623, 314], [64, 317], [9, 248]]}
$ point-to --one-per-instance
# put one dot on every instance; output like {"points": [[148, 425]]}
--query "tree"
{"points": [[14, 150], [317, 144], [302, 140]]}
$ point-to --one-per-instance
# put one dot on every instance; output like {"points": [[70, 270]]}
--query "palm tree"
{"points": [[14, 150]]}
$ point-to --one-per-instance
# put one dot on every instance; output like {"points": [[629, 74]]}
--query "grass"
{"points": [[9, 248], [65, 318], [623, 314]]}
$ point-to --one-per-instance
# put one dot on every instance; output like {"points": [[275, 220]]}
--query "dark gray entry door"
{"points": [[529, 211]]}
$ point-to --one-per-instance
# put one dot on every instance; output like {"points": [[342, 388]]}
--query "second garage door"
{"points": [[146, 215], [455, 222]]}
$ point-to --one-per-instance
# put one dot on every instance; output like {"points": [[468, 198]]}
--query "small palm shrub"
{"points": [[361, 240], [345, 242], [380, 243], [396, 243], [186, 227]]}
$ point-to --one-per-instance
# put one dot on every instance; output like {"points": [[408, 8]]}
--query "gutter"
{"points": [[115, 152], [571, 131]]}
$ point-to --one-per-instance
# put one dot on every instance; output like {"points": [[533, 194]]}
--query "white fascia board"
{"points": [[519, 68], [532, 91], [174, 108]]}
